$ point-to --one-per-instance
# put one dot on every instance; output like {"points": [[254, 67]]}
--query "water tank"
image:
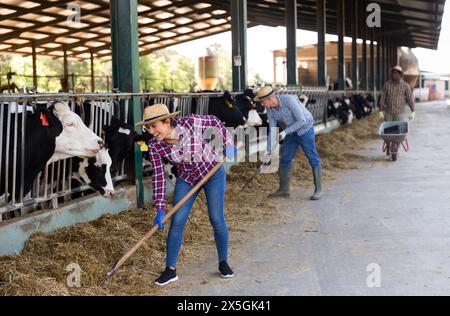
{"points": [[208, 71], [410, 65]]}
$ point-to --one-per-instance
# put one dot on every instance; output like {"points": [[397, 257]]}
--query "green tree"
{"points": [[167, 70]]}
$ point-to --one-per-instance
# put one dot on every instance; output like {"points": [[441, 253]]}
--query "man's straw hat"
{"points": [[156, 112], [397, 68], [264, 93]]}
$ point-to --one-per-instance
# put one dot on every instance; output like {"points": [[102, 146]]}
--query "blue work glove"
{"points": [[158, 219], [231, 152]]}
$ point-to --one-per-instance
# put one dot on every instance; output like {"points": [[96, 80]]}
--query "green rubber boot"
{"points": [[317, 173], [285, 179]]}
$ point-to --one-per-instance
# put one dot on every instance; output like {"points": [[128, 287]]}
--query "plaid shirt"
{"points": [[192, 155], [292, 114], [395, 96]]}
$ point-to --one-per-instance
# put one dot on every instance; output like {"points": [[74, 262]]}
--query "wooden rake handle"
{"points": [[147, 236]]}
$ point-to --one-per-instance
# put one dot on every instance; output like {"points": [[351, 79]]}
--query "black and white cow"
{"points": [[308, 102], [362, 107], [341, 109], [51, 133], [224, 108], [254, 113], [95, 172]]}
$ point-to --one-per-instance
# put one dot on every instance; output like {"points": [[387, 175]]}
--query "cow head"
{"points": [[96, 172], [225, 109], [76, 139], [303, 99], [120, 138]]}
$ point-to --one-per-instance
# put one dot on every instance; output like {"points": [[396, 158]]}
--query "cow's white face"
{"points": [[76, 138], [347, 101], [104, 159], [350, 117]]}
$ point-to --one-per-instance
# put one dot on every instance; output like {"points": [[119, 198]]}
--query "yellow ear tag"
{"points": [[229, 104], [144, 147]]}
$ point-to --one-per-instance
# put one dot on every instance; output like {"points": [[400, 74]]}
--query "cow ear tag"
{"points": [[44, 120], [229, 104], [144, 147]]}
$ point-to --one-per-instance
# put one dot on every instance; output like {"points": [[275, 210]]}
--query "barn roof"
{"points": [[163, 23]]}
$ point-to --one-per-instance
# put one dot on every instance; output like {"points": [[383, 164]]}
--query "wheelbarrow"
{"points": [[394, 135]]}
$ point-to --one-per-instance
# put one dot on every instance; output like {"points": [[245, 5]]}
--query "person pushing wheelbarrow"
{"points": [[395, 95], [181, 141]]}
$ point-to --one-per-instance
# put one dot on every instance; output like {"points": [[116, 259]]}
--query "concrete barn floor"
{"points": [[394, 215]]}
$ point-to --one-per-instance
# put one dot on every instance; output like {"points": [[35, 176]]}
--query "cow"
{"points": [[362, 107], [343, 110], [251, 111], [51, 133], [120, 139], [224, 108], [95, 172], [308, 102]]}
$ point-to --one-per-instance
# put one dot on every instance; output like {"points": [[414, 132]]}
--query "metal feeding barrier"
{"points": [[54, 184]]}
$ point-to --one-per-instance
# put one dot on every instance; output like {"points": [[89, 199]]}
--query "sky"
{"points": [[262, 40]]}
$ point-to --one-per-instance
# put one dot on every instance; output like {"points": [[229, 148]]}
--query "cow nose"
{"points": [[101, 144], [109, 193]]}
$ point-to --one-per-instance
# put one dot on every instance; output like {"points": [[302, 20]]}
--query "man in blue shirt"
{"points": [[299, 132]]}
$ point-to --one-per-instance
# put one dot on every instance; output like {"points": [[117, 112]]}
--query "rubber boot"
{"points": [[317, 173], [285, 179]]}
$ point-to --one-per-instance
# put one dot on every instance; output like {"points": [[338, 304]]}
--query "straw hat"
{"points": [[397, 68], [156, 112], [264, 93]]}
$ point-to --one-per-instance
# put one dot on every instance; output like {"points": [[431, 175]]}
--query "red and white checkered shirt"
{"points": [[193, 155]]}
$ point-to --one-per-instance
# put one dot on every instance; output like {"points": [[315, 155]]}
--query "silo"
{"points": [[208, 71], [410, 65]]}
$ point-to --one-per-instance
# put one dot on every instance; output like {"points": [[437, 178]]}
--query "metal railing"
{"points": [[54, 183]]}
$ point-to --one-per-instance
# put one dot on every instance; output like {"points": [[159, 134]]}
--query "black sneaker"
{"points": [[225, 270], [166, 277]]}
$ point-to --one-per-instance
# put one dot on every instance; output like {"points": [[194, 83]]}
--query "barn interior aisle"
{"points": [[370, 220]]}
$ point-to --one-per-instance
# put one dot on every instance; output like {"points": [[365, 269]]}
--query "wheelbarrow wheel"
{"points": [[394, 157]]}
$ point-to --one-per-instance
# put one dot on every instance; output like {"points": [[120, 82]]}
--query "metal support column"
{"points": [[239, 43], [383, 58], [125, 64], [321, 45], [341, 48], [291, 40], [379, 65], [354, 23], [65, 81], [396, 62], [364, 71], [373, 84], [92, 72], [33, 48]]}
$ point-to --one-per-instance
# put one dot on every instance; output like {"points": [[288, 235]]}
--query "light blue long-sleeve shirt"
{"points": [[293, 114]]}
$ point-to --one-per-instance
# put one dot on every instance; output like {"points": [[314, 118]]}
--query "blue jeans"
{"points": [[215, 197], [307, 142]]}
